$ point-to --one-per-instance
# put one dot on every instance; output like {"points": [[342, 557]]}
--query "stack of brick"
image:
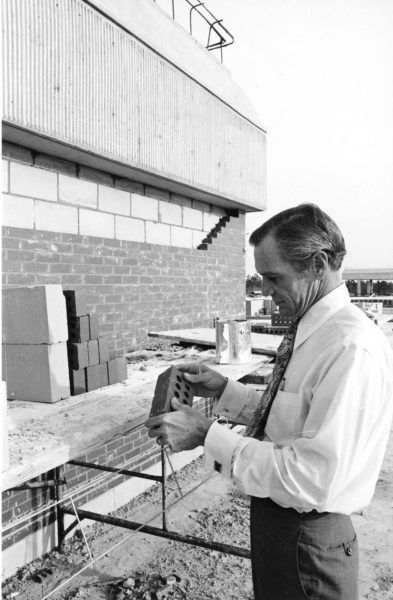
{"points": [[35, 343], [89, 364]]}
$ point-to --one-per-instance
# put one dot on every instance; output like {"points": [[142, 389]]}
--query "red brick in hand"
{"points": [[170, 384]]}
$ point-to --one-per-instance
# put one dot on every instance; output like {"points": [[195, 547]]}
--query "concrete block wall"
{"points": [[132, 248]]}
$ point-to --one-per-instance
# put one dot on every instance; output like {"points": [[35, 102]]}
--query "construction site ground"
{"points": [[129, 564]]}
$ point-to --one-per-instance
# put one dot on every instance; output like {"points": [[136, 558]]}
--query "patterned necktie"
{"points": [[256, 427]]}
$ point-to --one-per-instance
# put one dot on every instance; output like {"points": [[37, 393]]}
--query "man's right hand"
{"points": [[206, 382]]}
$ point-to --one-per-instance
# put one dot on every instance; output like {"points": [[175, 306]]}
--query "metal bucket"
{"points": [[233, 341]]}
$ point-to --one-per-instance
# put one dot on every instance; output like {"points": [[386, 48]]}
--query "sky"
{"points": [[319, 74]]}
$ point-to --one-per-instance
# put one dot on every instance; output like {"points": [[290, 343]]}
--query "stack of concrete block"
{"points": [[35, 343], [89, 364]]}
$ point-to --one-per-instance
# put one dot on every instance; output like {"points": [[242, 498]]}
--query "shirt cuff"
{"points": [[220, 444]]}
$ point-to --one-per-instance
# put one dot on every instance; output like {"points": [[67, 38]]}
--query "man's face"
{"points": [[293, 292]]}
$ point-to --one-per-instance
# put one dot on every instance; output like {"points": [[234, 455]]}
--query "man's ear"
{"points": [[320, 263]]}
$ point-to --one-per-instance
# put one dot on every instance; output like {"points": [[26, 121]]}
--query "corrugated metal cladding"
{"points": [[73, 75]]}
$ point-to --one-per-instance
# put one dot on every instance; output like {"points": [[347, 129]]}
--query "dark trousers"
{"points": [[302, 556]]}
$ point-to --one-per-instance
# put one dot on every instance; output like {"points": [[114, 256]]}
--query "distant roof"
{"points": [[368, 274]]}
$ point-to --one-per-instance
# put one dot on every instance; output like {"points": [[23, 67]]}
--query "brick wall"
{"points": [[133, 250], [63, 233]]}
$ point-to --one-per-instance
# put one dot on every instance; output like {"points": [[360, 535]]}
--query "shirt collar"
{"points": [[320, 312]]}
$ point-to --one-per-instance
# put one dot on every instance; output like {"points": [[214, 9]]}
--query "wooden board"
{"points": [[44, 436], [261, 343]]}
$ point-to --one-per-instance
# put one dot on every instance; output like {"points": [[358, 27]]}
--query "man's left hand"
{"points": [[183, 429]]}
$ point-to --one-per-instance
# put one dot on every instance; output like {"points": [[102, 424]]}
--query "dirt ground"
{"points": [[130, 565]]}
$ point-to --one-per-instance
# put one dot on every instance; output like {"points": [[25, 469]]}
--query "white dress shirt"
{"points": [[329, 424]]}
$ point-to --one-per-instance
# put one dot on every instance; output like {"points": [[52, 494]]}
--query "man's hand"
{"points": [[183, 429], [206, 382]]}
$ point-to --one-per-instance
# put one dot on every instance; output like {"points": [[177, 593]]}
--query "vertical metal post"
{"points": [[59, 477], [163, 489]]}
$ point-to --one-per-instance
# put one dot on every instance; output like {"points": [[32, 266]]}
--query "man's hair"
{"points": [[300, 232]]}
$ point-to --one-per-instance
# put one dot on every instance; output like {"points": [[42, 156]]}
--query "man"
{"points": [[314, 443]]}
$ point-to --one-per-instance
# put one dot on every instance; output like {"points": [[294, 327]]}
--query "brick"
{"points": [[77, 191], [26, 180], [129, 186], [117, 370], [18, 212], [5, 178], [16, 152], [37, 372], [92, 378], [54, 163], [78, 329], [170, 383], [103, 349], [93, 326], [153, 192], [113, 200], [75, 303], [103, 378], [132, 230], [158, 233], [78, 381], [56, 217], [192, 218], [144, 208], [96, 224], [170, 213], [95, 175], [181, 200], [180, 236], [34, 315], [78, 356], [92, 349]]}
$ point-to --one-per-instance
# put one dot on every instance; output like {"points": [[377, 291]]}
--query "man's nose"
{"points": [[267, 289]]}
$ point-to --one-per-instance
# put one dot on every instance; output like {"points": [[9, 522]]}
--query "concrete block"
{"points": [[131, 230], [56, 217], [92, 349], [92, 378], [93, 325], [117, 370], [95, 175], [170, 384], [15, 152], [78, 381], [97, 224], [203, 206], [76, 303], [129, 186], [170, 213], [192, 218], [78, 355], [103, 349], [113, 200], [181, 200], [197, 237], [180, 236], [5, 178], [26, 180], [54, 163], [77, 191], [158, 233], [103, 377], [37, 372], [34, 315], [18, 212], [78, 329], [153, 192], [143, 207], [210, 220]]}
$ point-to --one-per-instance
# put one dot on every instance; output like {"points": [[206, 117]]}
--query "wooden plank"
{"points": [[44, 436], [261, 343]]}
